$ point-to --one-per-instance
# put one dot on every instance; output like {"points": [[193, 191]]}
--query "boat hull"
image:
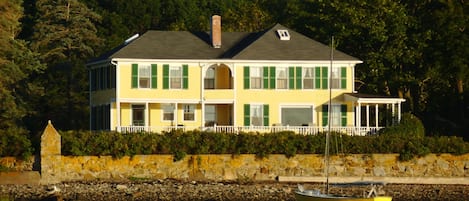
{"points": [[305, 196]]}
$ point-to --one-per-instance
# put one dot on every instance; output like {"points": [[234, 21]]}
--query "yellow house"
{"points": [[275, 79]]}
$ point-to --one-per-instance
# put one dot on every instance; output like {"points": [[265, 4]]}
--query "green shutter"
{"points": [[317, 77], [325, 116], [343, 77], [324, 77], [185, 76], [265, 77], [343, 114], [247, 115], [299, 83], [246, 77], [291, 77], [134, 75], [154, 74], [165, 76], [272, 77], [266, 115]]}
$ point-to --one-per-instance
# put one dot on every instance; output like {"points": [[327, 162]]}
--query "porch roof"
{"points": [[370, 98]]}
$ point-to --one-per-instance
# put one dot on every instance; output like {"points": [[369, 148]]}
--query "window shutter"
{"points": [[265, 73], [325, 115], [247, 115], [343, 114], [154, 76], [325, 77], [185, 76], [272, 77], [299, 78], [134, 75], [291, 77], [165, 76], [343, 77], [246, 77], [266, 115], [317, 77]]}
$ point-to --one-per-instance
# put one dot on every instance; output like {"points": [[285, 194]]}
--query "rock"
{"points": [[121, 187], [166, 190]]}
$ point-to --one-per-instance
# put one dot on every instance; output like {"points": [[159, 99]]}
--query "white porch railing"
{"points": [[303, 130]]}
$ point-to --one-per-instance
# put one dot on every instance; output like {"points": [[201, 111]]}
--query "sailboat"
{"points": [[302, 194]]}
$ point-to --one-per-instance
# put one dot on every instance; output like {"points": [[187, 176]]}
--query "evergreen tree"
{"points": [[17, 65], [65, 36]]}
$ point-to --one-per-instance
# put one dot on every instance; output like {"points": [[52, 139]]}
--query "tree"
{"points": [[65, 35], [447, 58], [17, 65]]}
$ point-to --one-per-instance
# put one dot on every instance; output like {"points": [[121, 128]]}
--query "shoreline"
{"points": [[208, 190]]}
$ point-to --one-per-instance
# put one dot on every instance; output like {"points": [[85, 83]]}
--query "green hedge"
{"points": [[195, 142], [406, 138]]}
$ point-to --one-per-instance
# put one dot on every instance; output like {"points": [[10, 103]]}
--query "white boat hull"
{"points": [[314, 195]]}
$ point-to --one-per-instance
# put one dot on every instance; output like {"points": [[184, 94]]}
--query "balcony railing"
{"points": [[302, 130]]}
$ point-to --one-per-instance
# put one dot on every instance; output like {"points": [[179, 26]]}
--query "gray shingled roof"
{"points": [[264, 45]]}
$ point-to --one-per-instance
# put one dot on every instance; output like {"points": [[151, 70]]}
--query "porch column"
{"points": [[376, 116], [367, 116], [202, 123], [399, 112], [359, 118], [175, 110], [118, 113], [147, 117]]}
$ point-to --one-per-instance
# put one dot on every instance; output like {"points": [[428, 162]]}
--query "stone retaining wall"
{"points": [[56, 168]]}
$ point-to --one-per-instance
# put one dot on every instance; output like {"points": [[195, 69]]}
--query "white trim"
{"points": [[118, 103], [241, 62], [160, 100], [219, 101]]}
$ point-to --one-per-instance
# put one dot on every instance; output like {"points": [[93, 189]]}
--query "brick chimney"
{"points": [[215, 32]]}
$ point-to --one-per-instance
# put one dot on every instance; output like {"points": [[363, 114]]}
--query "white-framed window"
{"points": [[255, 74], [297, 115], [175, 77], [189, 112], [336, 115], [308, 78], [282, 77], [144, 75], [210, 115], [209, 81], [138, 115], [257, 115], [335, 81], [168, 112]]}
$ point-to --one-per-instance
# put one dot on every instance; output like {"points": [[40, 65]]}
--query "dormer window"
{"points": [[283, 34]]}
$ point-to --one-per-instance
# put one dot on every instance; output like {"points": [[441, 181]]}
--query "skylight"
{"points": [[283, 34]]}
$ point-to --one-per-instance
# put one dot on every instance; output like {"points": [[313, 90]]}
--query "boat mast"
{"points": [[329, 116]]}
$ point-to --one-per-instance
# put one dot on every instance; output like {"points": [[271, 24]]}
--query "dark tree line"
{"points": [[418, 50]]}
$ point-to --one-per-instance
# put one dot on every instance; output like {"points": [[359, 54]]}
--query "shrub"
{"points": [[181, 143], [409, 126], [15, 142]]}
